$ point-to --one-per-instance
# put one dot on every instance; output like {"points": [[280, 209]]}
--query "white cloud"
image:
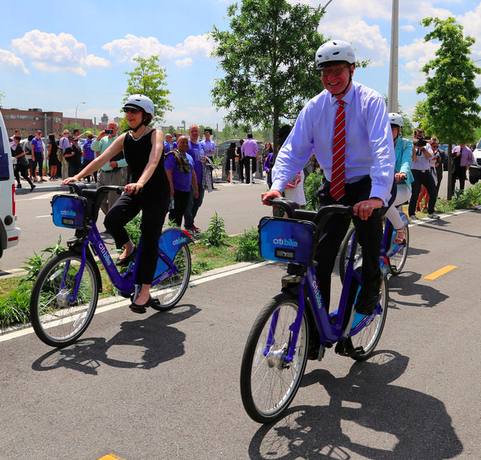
{"points": [[54, 53], [408, 28], [9, 63], [131, 46], [187, 62], [367, 40], [198, 115]]}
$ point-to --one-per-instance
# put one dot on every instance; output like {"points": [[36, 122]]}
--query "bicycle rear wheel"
{"points": [[369, 337], [60, 315], [398, 260], [170, 291], [268, 383]]}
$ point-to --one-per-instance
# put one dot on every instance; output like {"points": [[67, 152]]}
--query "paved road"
{"points": [[165, 385]]}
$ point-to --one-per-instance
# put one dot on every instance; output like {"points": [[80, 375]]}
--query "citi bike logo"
{"points": [[105, 253], [68, 213], [179, 240], [287, 242], [317, 292]]}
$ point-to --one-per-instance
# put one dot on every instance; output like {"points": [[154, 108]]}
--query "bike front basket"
{"points": [[68, 211], [287, 240]]}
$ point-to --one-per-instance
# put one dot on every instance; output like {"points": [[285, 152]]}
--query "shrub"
{"points": [[248, 249], [312, 183], [133, 229], [34, 264], [215, 235]]}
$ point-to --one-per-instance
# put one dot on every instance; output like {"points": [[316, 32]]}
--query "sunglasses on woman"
{"points": [[131, 110]]}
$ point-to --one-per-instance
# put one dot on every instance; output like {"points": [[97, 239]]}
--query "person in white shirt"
{"points": [[369, 165]]}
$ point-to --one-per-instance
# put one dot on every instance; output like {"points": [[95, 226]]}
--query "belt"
{"points": [[110, 170]]}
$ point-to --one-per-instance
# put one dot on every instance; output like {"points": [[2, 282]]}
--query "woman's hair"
{"points": [[232, 145], [147, 118], [51, 137]]}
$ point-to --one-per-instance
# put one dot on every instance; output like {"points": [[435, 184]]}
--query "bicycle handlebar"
{"points": [[319, 217], [94, 197]]}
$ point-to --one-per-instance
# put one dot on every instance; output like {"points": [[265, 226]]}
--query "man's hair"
{"points": [[18, 138], [249, 136]]}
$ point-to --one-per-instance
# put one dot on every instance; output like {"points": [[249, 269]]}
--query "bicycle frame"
{"points": [[120, 281]]}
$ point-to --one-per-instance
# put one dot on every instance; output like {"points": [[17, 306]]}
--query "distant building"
{"points": [[28, 121]]}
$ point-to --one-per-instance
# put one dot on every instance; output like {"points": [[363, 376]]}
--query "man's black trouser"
{"points": [[369, 233]]}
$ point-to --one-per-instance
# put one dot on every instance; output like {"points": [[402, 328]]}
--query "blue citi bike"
{"points": [[295, 325], [66, 291]]}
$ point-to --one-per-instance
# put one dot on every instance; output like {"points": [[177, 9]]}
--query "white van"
{"points": [[9, 233]]}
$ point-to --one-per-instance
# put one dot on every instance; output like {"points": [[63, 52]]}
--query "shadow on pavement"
{"points": [[361, 414], [161, 342]]}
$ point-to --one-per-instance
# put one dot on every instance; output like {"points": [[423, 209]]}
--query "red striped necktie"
{"points": [[339, 148]]}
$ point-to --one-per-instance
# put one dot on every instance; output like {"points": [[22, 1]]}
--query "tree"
{"points": [[451, 109], [268, 60], [2, 95], [148, 78]]}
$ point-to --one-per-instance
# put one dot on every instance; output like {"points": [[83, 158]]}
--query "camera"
{"points": [[421, 142], [109, 131]]}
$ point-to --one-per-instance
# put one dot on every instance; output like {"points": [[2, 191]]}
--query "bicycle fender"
{"points": [[172, 239]]}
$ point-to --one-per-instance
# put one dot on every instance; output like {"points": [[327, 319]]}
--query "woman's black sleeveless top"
{"points": [[137, 156]]}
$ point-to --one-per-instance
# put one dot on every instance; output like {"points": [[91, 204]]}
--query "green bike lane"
{"points": [[165, 385]]}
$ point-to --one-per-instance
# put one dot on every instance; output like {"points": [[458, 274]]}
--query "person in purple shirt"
{"points": [[463, 158], [179, 166], [38, 150], [88, 155], [250, 150], [196, 151], [208, 145]]}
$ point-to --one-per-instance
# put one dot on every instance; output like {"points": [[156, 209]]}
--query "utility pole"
{"points": [[392, 97]]}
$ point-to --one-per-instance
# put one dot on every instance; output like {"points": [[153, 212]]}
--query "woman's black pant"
{"points": [[22, 169], [422, 178], [154, 209]]}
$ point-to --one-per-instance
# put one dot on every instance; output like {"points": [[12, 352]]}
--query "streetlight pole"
{"points": [[76, 108], [392, 98]]}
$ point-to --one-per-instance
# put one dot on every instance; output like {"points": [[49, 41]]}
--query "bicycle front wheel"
{"points": [[398, 260], [268, 383], [369, 337], [170, 291], [348, 243], [64, 298]]}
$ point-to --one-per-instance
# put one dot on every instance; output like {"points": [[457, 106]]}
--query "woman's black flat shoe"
{"points": [[139, 308], [126, 260]]}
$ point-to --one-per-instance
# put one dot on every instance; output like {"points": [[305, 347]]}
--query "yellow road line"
{"points": [[440, 272], [110, 457]]}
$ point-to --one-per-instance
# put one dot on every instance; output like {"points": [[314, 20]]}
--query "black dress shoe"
{"points": [[366, 305], [345, 348], [140, 308]]}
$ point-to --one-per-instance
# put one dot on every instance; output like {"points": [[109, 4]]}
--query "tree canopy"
{"points": [[268, 59], [149, 79], [450, 109]]}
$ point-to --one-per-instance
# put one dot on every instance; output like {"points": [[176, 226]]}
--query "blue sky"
{"points": [[54, 55]]}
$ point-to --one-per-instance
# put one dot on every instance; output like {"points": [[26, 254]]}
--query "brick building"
{"points": [[28, 121]]}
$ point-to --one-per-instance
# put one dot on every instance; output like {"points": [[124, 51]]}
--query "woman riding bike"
{"points": [[148, 192], [403, 176]]}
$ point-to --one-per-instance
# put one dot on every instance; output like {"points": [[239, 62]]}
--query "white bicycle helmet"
{"points": [[334, 52], [140, 101], [396, 119]]}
